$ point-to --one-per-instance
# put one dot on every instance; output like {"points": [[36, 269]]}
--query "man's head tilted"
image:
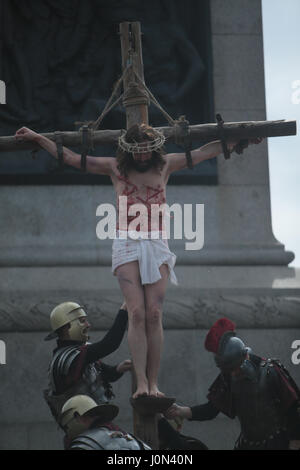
{"points": [[69, 320], [80, 411], [229, 350], [140, 149]]}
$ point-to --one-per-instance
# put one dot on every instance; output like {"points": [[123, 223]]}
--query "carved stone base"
{"points": [[253, 297]]}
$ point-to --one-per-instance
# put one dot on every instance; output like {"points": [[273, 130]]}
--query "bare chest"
{"points": [[147, 189]]}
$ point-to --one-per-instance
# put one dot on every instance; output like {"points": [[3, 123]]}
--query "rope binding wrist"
{"points": [[182, 138], [59, 149]]}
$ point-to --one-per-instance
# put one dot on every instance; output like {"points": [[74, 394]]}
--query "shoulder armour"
{"points": [[83, 442], [284, 371], [61, 362], [105, 439]]}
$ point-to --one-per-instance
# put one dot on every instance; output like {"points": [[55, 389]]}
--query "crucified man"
{"points": [[140, 172]]}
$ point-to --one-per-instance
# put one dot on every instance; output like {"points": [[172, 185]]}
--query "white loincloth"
{"points": [[150, 253]]}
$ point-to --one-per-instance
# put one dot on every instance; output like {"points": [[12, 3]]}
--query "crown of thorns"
{"points": [[141, 147]]}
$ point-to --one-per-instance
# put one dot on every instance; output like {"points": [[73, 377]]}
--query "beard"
{"points": [[142, 167], [126, 163]]}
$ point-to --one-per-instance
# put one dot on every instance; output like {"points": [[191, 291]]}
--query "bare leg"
{"points": [[129, 279], [154, 297]]}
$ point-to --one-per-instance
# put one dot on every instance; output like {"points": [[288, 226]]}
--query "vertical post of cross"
{"points": [[135, 99], [136, 103]]}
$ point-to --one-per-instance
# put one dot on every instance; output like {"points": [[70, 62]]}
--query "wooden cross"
{"points": [[136, 99], [233, 131], [136, 103]]}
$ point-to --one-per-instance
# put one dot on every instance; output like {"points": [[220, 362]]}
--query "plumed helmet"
{"points": [[229, 350], [84, 406], [64, 313]]}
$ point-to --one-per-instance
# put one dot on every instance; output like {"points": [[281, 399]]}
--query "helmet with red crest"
{"points": [[230, 351]]}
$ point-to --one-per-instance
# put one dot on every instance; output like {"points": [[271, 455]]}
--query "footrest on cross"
{"points": [[148, 405]]}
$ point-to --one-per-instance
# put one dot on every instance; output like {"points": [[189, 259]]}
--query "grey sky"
{"points": [[282, 68]]}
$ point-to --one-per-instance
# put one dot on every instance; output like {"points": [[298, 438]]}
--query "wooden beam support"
{"points": [[202, 132], [135, 99], [136, 103]]}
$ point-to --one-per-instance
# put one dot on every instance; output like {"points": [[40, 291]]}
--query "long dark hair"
{"points": [[139, 133]]}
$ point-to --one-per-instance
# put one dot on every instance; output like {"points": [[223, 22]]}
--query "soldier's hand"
{"points": [[176, 411], [294, 445], [124, 366], [26, 134]]}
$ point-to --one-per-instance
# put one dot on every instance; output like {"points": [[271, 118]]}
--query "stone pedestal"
{"points": [[263, 301]]}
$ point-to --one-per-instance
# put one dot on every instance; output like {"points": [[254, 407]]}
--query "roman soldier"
{"points": [[259, 392], [88, 427], [76, 366]]}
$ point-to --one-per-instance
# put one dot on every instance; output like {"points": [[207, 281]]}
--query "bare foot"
{"points": [[154, 392], [141, 392]]}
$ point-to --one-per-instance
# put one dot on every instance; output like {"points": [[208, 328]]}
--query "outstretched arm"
{"points": [[177, 161], [93, 352], [111, 340], [203, 412], [99, 165]]}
